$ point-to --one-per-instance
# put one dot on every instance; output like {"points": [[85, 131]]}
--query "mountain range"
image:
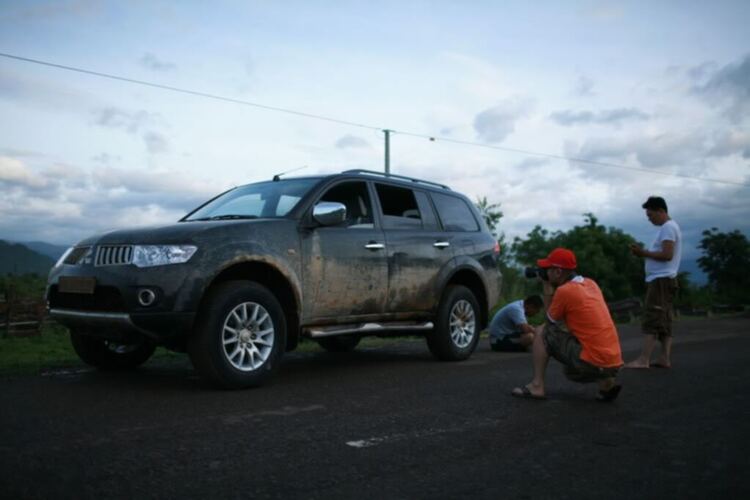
{"points": [[18, 259]]}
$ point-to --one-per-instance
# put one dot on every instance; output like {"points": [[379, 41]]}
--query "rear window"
{"points": [[454, 213]]}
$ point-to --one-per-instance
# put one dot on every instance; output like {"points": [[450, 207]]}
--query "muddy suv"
{"points": [[238, 281]]}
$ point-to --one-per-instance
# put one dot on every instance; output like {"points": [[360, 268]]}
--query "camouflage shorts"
{"points": [[658, 314], [565, 348]]}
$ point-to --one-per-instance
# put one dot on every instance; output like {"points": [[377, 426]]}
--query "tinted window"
{"points": [[454, 213], [399, 207], [355, 197], [429, 221]]}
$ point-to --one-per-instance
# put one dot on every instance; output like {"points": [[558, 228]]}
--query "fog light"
{"points": [[146, 297]]}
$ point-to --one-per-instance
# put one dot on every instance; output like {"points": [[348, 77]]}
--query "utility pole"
{"points": [[387, 151]]}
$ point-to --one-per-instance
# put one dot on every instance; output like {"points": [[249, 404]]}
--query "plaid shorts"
{"points": [[658, 314], [565, 348]]}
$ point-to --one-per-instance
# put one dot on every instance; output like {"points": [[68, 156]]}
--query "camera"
{"points": [[534, 272]]}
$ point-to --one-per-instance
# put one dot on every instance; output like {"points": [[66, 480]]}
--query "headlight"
{"points": [[161, 255], [63, 257]]}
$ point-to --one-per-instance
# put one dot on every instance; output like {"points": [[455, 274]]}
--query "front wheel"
{"points": [[110, 355], [240, 335], [456, 332]]}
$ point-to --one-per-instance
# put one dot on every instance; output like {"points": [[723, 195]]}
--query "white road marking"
{"points": [[467, 427]]}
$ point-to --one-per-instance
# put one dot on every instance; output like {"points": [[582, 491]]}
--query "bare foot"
{"points": [[637, 364], [661, 363]]}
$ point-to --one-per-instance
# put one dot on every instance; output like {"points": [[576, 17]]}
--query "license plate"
{"points": [[76, 284]]}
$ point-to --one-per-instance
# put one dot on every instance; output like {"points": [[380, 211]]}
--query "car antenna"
{"points": [[277, 177]]}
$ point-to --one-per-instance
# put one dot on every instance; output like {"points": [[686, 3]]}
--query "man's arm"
{"points": [[526, 328], [665, 254]]}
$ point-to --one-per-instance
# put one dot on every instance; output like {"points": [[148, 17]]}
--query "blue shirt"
{"points": [[507, 321]]}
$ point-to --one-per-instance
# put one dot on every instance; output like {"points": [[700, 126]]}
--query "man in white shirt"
{"points": [[662, 261]]}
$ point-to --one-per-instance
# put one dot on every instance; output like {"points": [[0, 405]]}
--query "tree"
{"points": [[725, 260], [492, 214], [602, 253]]}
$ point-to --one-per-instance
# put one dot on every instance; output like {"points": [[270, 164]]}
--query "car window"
{"points": [[263, 199], [400, 209], [454, 213], [356, 198], [429, 220]]}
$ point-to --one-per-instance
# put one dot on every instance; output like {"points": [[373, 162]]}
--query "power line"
{"points": [[571, 159], [361, 125], [186, 91]]}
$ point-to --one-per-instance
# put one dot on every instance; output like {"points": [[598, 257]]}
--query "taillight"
{"points": [[497, 248]]}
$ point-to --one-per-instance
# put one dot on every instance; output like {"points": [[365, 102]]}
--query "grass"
{"points": [[52, 350]]}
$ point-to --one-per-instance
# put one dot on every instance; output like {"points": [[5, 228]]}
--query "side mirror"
{"points": [[329, 213]]}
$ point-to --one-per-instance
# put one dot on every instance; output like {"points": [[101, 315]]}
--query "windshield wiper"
{"points": [[227, 217]]}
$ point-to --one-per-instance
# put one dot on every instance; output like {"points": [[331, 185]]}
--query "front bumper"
{"points": [[159, 327], [111, 309]]}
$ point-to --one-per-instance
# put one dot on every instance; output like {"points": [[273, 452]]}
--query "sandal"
{"points": [[525, 393]]}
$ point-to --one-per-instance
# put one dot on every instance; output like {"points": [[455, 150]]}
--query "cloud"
{"points": [[63, 203], [731, 142], [151, 62], [351, 141], [728, 87], [132, 122], [605, 117], [584, 87], [51, 10], [495, 124], [14, 172], [155, 142]]}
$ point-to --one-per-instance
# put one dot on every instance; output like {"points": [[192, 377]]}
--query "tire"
{"points": [[109, 355], [341, 343], [456, 331], [240, 336]]}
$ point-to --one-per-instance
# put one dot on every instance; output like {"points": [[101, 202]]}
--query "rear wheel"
{"points": [[240, 335], [342, 343], [110, 355], [456, 331]]}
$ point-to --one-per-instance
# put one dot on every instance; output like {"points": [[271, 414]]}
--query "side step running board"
{"points": [[367, 328]]}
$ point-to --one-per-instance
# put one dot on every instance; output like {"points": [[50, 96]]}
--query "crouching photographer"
{"points": [[590, 348]]}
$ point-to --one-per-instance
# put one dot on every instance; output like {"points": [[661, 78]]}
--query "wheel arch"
{"points": [[470, 279], [279, 283]]}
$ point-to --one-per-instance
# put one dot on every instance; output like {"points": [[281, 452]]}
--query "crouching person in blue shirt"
{"points": [[510, 330]]}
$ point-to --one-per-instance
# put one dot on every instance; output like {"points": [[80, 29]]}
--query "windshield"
{"points": [[264, 199]]}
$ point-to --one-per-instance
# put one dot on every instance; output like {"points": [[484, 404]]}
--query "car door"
{"points": [[417, 249], [458, 222], [345, 269]]}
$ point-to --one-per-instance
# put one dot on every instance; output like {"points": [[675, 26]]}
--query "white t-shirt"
{"points": [[669, 231]]}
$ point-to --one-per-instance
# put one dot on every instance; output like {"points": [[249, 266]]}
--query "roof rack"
{"points": [[394, 176]]}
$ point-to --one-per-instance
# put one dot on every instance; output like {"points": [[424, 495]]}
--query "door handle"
{"points": [[441, 244], [374, 246]]}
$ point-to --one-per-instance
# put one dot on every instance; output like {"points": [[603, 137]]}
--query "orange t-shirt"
{"points": [[581, 305]]}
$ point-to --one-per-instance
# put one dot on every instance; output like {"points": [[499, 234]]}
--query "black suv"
{"points": [[239, 280]]}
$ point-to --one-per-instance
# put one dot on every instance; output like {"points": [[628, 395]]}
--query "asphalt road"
{"points": [[388, 423]]}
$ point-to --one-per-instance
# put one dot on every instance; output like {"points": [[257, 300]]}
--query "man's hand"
{"points": [[637, 250]]}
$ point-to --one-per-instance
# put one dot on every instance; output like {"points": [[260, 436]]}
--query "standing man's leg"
{"points": [[652, 324]]}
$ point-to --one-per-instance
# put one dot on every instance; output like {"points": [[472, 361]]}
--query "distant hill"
{"points": [[18, 259], [52, 251]]}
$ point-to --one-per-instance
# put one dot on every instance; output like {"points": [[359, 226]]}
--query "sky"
{"points": [[656, 94]]}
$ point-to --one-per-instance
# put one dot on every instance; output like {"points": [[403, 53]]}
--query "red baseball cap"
{"points": [[559, 257]]}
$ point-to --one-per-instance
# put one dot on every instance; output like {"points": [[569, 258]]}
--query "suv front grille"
{"points": [[114, 255]]}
